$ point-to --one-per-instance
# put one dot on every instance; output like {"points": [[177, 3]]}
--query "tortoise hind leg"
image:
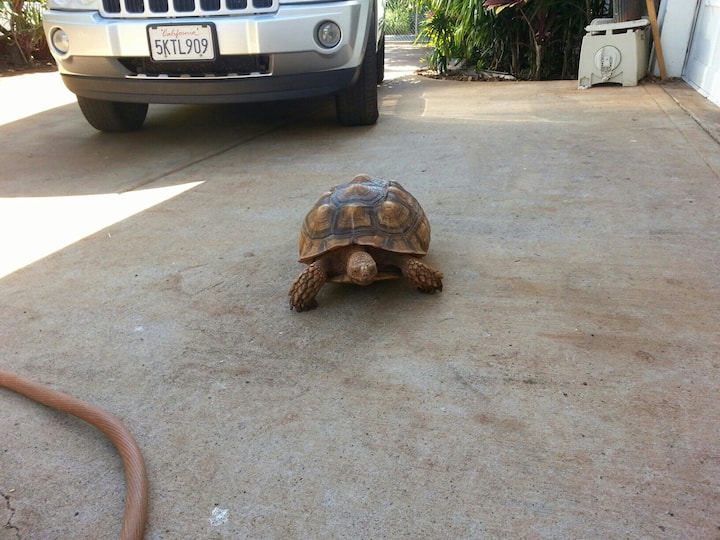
{"points": [[423, 276], [306, 286]]}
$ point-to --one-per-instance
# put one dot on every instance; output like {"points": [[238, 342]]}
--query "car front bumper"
{"points": [[102, 53]]}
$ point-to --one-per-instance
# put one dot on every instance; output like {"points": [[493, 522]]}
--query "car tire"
{"points": [[357, 105], [381, 60], [113, 116]]}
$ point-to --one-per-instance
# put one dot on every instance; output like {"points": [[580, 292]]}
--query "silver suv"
{"points": [[119, 55]]}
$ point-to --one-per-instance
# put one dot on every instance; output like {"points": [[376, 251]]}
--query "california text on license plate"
{"points": [[181, 42]]}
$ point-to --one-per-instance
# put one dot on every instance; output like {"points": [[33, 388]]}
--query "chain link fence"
{"points": [[403, 19]]}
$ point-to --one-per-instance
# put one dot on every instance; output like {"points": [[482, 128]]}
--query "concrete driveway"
{"points": [[563, 385]]}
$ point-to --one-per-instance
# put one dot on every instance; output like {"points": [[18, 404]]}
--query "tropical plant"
{"points": [[22, 30], [438, 28], [535, 39], [552, 26]]}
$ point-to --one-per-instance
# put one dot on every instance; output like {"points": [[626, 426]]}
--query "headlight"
{"points": [[328, 34], [73, 5]]}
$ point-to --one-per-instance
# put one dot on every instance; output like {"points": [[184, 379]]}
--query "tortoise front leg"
{"points": [[306, 286], [423, 276]]}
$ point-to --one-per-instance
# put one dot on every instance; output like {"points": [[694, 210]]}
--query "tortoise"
{"points": [[360, 232]]}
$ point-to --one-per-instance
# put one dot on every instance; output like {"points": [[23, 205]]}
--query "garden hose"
{"points": [[136, 502]]}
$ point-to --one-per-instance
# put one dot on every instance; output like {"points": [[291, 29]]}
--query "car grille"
{"points": [[184, 8], [241, 65]]}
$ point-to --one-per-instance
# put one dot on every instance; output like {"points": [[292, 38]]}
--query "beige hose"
{"points": [[136, 502]]}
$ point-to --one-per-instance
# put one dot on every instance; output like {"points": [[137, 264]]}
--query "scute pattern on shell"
{"points": [[368, 212]]}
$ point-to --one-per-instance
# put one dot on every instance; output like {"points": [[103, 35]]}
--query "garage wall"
{"points": [[702, 68], [690, 35]]}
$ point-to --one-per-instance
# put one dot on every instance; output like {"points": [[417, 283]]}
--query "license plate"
{"points": [[181, 42]]}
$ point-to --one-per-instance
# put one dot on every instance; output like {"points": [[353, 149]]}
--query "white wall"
{"points": [[702, 67]]}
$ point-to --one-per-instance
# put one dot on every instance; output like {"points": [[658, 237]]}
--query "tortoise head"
{"points": [[361, 268]]}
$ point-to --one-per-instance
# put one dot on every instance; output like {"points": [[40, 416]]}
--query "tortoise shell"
{"points": [[367, 212]]}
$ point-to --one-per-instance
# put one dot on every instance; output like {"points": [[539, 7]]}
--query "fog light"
{"points": [[60, 41], [328, 34]]}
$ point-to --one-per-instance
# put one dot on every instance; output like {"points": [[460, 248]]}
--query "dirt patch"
{"points": [[8, 70], [13, 63]]}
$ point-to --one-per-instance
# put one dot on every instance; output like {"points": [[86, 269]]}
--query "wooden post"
{"points": [[656, 38]]}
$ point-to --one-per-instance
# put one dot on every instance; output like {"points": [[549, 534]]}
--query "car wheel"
{"points": [[357, 105], [113, 115]]}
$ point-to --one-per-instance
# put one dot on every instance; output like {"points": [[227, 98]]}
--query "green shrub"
{"points": [[403, 16], [399, 18]]}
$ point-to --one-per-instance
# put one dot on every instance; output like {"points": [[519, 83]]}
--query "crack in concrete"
{"points": [[8, 525], [215, 152]]}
